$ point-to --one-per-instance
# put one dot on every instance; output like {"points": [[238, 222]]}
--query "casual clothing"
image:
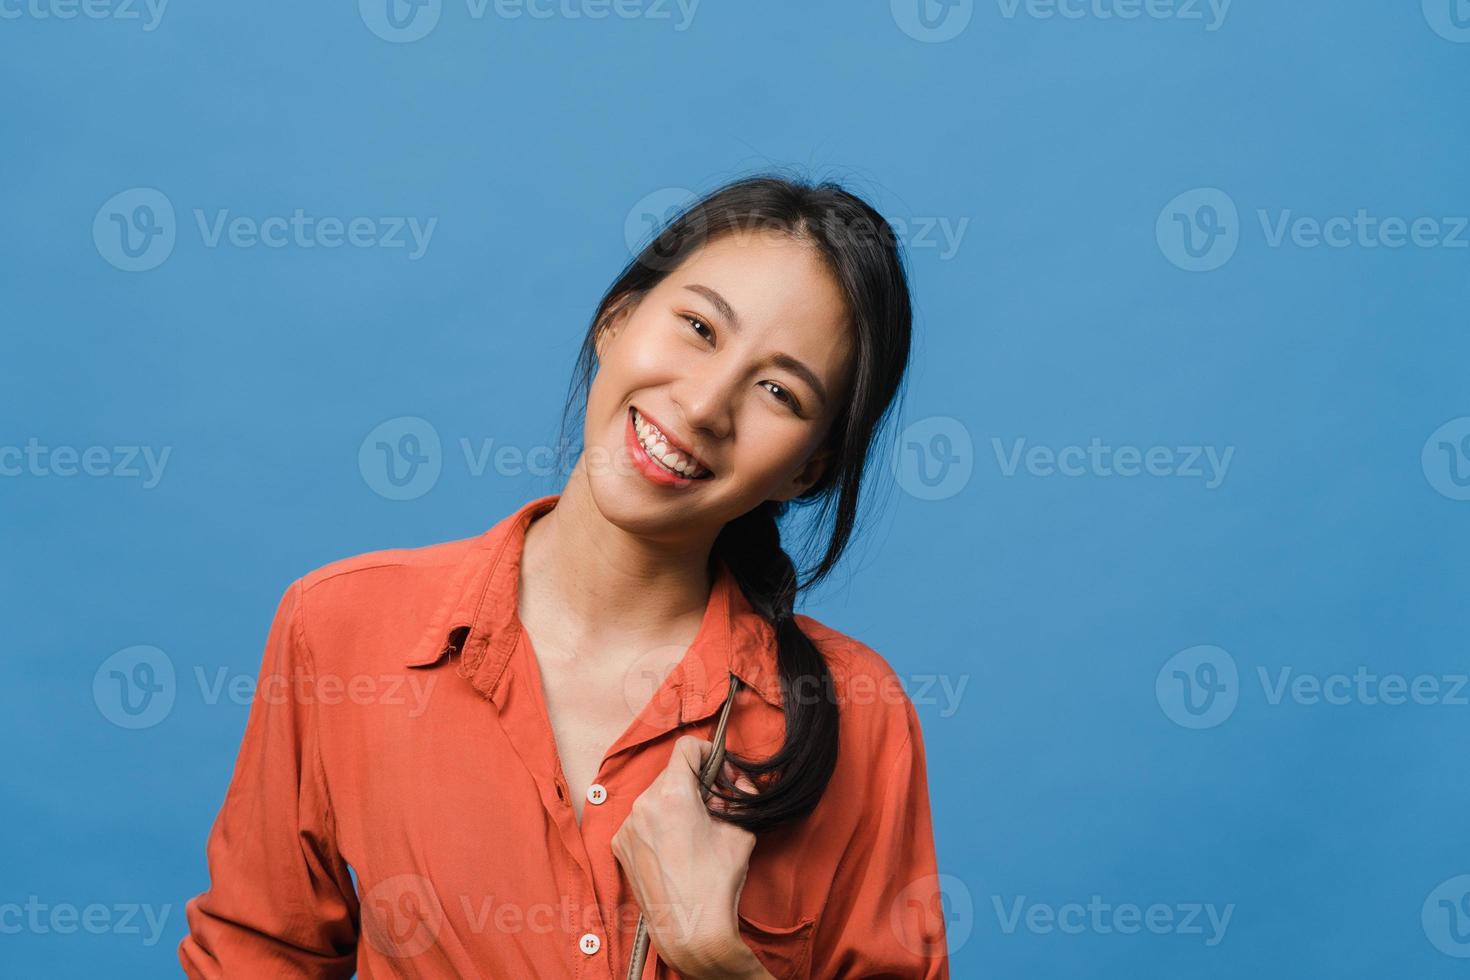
{"points": [[397, 807]]}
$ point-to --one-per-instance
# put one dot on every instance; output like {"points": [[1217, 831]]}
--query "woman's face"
{"points": [[741, 355]]}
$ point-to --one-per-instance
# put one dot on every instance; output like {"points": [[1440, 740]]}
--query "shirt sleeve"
{"points": [[886, 916], [281, 901]]}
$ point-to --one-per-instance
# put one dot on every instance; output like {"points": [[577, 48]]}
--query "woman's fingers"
{"points": [[690, 754], [734, 777], [730, 776], [687, 762]]}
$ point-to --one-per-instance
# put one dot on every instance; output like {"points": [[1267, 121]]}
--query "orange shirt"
{"points": [[397, 807]]}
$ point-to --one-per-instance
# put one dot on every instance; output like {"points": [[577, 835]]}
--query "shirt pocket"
{"points": [[784, 950]]}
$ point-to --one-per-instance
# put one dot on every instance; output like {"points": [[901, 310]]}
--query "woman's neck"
{"points": [[586, 578]]}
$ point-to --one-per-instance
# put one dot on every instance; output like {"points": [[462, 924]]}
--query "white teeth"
{"points": [[658, 449]]}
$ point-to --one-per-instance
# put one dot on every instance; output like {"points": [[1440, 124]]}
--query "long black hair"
{"points": [[861, 252]]}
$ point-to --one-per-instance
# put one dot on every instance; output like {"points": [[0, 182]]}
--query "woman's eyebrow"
{"points": [[727, 312], [724, 308], [807, 374]]}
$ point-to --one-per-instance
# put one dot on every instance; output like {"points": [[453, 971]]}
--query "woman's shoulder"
{"points": [[383, 600], [843, 651], [360, 570], [433, 567], [873, 697]]}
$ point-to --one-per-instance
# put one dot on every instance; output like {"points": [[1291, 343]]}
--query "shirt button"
{"points": [[590, 944], [597, 794]]}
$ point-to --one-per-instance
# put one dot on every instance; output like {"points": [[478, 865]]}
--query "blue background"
{"points": [[1061, 772]]}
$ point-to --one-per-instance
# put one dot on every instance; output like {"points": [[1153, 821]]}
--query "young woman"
{"points": [[484, 758]]}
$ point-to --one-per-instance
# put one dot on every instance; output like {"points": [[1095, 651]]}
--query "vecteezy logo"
{"points": [[401, 915], [1450, 19], [1199, 230], [401, 458], [932, 914], [1198, 687], [649, 217], [932, 20], [646, 681], [1446, 458], [400, 21], [934, 457], [135, 229], [1446, 917], [134, 688]]}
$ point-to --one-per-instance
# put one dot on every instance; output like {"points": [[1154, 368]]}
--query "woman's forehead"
{"points": [[769, 280]]}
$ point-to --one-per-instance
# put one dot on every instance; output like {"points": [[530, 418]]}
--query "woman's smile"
{"points": [[657, 455]]}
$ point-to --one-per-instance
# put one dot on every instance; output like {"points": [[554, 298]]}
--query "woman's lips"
{"points": [[645, 464], [668, 437]]}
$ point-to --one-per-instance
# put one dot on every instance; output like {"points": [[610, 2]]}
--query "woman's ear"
{"points": [[809, 474], [605, 335], [613, 321]]}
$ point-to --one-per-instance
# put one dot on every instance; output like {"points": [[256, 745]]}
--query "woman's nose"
{"points": [[706, 401]]}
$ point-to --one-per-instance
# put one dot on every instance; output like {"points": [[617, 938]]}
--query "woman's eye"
{"points": [[784, 395], [696, 322]]}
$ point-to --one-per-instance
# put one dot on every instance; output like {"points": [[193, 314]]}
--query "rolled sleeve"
{"points": [[281, 902], [886, 916]]}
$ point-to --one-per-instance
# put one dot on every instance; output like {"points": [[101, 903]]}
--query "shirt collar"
{"points": [[480, 597]]}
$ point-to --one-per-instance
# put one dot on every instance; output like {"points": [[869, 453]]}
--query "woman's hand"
{"points": [[686, 869]]}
